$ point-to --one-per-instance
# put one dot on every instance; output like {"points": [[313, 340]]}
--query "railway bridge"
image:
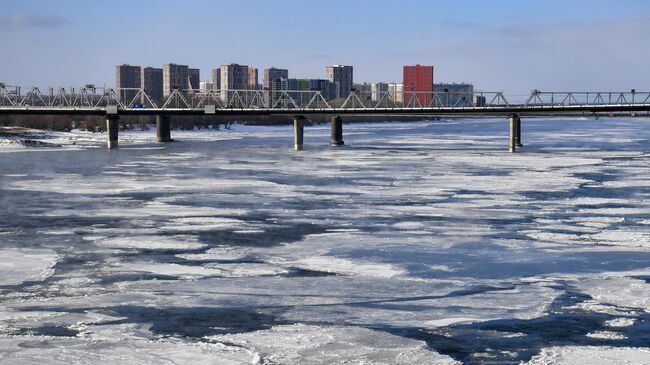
{"points": [[299, 104]]}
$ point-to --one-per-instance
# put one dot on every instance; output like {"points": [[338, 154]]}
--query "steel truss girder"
{"points": [[136, 98]]}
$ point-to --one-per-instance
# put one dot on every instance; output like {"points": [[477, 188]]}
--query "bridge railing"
{"points": [[91, 97]]}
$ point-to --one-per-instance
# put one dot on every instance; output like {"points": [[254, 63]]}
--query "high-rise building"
{"points": [[252, 79], [194, 75], [271, 74], [325, 87], [396, 91], [151, 81], [274, 73], [233, 77], [363, 91], [127, 77], [206, 86], [274, 92], [378, 90], [174, 77], [216, 78], [341, 76], [418, 81], [280, 89]]}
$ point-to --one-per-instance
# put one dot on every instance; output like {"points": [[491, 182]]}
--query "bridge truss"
{"points": [[92, 100]]}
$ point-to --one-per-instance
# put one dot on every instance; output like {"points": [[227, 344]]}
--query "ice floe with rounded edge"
{"points": [[620, 322], [311, 344], [623, 292], [216, 253], [343, 266], [183, 242], [622, 237], [19, 265], [65, 351], [590, 355], [607, 335], [211, 224], [173, 270]]}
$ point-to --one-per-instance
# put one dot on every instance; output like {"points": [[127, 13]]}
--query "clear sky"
{"points": [[509, 45]]}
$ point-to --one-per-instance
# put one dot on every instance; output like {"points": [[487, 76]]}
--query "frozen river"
{"points": [[416, 243]]}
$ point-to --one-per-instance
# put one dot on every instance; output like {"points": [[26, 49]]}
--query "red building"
{"points": [[418, 85]]}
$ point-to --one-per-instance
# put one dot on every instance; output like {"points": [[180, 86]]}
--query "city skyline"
{"points": [[513, 47]]}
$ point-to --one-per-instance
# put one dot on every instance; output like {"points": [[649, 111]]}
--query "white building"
{"points": [[206, 86], [377, 90], [396, 91]]}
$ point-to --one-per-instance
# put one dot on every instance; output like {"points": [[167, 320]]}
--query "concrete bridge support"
{"points": [[512, 145], [298, 132], [112, 127], [337, 131], [518, 134], [163, 128]]}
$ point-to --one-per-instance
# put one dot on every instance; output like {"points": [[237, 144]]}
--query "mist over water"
{"points": [[414, 243]]}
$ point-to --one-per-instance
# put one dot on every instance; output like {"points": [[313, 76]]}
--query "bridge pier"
{"points": [[112, 127], [298, 132], [337, 131], [163, 128], [518, 134], [512, 145]]}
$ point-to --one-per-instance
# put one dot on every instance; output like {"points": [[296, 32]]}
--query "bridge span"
{"points": [[297, 104]]}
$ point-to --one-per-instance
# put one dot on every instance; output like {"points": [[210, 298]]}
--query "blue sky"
{"points": [[514, 46]]}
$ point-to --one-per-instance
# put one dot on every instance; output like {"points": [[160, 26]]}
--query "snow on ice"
{"points": [[416, 243]]}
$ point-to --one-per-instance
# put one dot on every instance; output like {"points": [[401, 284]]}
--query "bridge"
{"points": [[113, 104]]}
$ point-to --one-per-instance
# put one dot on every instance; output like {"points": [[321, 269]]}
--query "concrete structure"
{"points": [[518, 134], [151, 81], [364, 91], [459, 94], [272, 74], [417, 83], [174, 77], [337, 131], [342, 78], [479, 100], [253, 83], [396, 91], [515, 133], [163, 128], [233, 77], [205, 86], [276, 89], [298, 132], [112, 127], [377, 90], [194, 75], [127, 77], [325, 87], [216, 78]]}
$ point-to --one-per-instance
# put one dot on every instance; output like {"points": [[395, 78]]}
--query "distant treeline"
{"points": [[98, 124]]}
